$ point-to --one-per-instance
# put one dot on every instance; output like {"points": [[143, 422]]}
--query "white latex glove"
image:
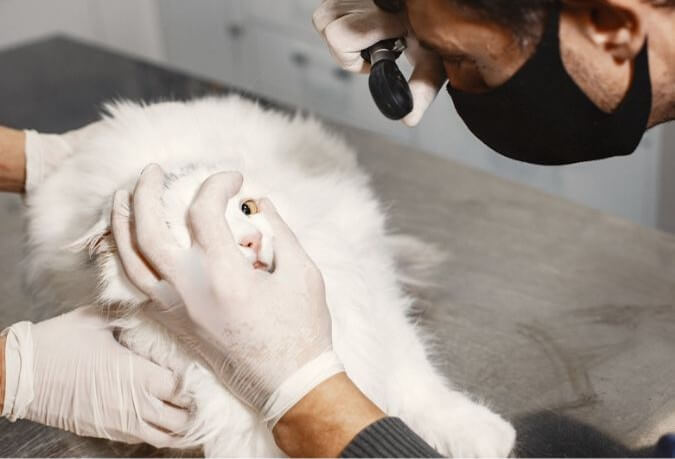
{"points": [[69, 372], [267, 336], [44, 152], [350, 26]]}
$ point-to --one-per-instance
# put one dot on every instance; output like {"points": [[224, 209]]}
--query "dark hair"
{"points": [[517, 14], [521, 15]]}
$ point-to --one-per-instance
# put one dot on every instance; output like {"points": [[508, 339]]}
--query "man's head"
{"points": [[484, 42]]}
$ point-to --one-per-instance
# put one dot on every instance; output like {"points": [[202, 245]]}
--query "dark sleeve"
{"points": [[388, 437]]}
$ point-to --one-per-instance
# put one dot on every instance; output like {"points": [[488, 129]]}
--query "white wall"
{"points": [[128, 25]]}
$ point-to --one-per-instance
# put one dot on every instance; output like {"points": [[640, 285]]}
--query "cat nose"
{"points": [[252, 241]]}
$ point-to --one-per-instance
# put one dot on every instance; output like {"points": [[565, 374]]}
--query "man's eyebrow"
{"points": [[445, 55]]}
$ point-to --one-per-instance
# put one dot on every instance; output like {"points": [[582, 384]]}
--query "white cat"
{"points": [[313, 179]]}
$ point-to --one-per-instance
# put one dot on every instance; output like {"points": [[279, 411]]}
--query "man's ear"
{"points": [[618, 26]]}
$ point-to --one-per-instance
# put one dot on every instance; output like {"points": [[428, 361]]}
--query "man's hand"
{"points": [[266, 335], [350, 26], [70, 372]]}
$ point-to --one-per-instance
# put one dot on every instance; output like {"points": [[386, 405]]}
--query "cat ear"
{"points": [[96, 240]]}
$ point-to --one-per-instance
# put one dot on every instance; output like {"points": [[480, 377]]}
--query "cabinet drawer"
{"points": [[300, 73], [305, 75], [206, 37]]}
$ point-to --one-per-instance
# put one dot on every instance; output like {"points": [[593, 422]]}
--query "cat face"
{"points": [[249, 228], [250, 231]]}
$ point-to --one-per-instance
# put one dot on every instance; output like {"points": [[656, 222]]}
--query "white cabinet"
{"points": [[269, 47], [131, 25], [205, 37]]}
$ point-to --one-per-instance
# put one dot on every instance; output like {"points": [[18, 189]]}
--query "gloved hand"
{"points": [[350, 26], [70, 372], [44, 152], [267, 336]]}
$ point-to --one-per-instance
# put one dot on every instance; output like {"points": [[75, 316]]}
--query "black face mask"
{"points": [[541, 116]]}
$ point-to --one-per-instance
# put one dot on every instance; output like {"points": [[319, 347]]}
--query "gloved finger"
{"points": [[157, 437], [195, 338], [155, 241], [181, 400], [77, 137], [329, 11], [352, 33], [167, 417], [207, 222], [425, 82], [202, 343], [176, 319], [158, 381], [134, 266], [287, 248], [351, 62], [171, 315]]}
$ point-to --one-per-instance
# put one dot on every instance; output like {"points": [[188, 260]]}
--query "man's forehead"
{"points": [[449, 26], [442, 22]]}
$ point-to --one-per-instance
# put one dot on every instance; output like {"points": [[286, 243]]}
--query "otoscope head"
{"points": [[390, 90], [388, 86]]}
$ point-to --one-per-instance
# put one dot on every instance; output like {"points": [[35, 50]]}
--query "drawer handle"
{"points": [[342, 74], [235, 31], [299, 60]]}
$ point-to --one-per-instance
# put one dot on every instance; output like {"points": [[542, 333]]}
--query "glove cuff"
{"points": [[34, 160], [300, 384], [43, 153], [18, 370]]}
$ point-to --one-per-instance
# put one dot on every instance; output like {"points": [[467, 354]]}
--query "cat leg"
{"points": [[448, 419]]}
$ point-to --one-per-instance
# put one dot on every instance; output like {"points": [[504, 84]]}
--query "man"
{"points": [[542, 81]]}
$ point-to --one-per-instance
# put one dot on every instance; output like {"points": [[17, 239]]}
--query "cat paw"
{"points": [[475, 432]]}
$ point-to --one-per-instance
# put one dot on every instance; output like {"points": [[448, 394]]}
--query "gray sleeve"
{"points": [[388, 437]]}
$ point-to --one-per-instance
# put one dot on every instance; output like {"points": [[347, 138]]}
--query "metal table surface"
{"points": [[562, 317]]}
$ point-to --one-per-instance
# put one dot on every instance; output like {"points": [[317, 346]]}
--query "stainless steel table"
{"points": [[562, 317]]}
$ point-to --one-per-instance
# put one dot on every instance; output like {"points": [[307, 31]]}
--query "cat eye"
{"points": [[249, 207]]}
